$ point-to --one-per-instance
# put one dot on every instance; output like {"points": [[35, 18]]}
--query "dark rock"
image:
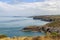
{"points": [[40, 29]]}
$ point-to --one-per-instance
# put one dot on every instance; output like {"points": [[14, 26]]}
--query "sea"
{"points": [[12, 26]]}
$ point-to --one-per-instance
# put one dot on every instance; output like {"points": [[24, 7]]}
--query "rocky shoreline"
{"points": [[53, 26], [41, 29]]}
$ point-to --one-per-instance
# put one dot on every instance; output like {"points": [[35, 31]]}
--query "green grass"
{"points": [[54, 24]]}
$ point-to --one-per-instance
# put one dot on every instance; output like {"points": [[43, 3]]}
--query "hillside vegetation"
{"points": [[53, 24], [3, 36], [33, 38]]}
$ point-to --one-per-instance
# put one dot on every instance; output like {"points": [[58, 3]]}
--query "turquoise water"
{"points": [[11, 26]]}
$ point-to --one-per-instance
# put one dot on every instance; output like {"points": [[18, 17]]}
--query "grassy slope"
{"points": [[54, 24], [33, 38]]}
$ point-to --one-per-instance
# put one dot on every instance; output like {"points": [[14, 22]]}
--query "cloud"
{"points": [[47, 7]]}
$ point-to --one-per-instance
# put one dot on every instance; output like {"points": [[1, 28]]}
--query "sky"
{"points": [[29, 7]]}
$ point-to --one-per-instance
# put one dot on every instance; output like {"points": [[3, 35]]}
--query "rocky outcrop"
{"points": [[32, 28], [54, 24], [41, 29]]}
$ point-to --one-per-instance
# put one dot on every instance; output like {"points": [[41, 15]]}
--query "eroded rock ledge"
{"points": [[41, 29]]}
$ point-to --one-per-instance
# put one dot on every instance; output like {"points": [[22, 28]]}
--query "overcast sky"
{"points": [[29, 7]]}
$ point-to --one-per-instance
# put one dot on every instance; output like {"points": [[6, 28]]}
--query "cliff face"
{"points": [[50, 27], [54, 25], [48, 18]]}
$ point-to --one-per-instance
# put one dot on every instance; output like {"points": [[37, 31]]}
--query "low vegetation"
{"points": [[2, 36], [54, 24], [34, 38]]}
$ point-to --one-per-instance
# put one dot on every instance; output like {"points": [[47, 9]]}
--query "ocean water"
{"points": [[11, 26]]}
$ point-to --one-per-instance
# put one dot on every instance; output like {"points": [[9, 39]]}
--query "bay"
{"points": [[11, 26]]}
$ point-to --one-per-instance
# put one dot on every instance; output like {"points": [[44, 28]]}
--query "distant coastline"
{"points": [[47, 18]]}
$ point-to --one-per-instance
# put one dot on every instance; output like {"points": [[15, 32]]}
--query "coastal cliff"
{"points": [[52, 27], [47, 18]]}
